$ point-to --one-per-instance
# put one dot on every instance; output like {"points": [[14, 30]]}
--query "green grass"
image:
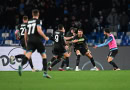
{"points": [[67, 80]]}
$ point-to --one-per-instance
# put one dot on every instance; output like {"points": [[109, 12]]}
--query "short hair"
{"points": [[107, 30], [80, 29], [72, 28], [25, 17], [60, 26], [35, 12]]}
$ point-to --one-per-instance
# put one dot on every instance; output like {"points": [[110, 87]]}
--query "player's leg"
{"points": [[68, 49], [110, 58], [89, 55], [30, 63], [52, 60], [44, 62], [66, 60], [78, 54], [56, 60], [24, 61], [12, 58], [62, 64]]}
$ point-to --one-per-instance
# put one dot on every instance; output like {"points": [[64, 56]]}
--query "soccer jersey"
{"points": [[32, 29], [34, 38], [59, 41], [81, 41], [21, 29]]}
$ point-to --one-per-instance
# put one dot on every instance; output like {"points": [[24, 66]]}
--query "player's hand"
{"points": [[75, 41], [95, 47], [46, 38], [72, 37], [89, 51]]}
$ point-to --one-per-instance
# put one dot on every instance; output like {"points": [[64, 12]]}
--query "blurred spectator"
{"points": [[124, 19], [87, 26], [66, 24], [113, 20], [69, 12]]}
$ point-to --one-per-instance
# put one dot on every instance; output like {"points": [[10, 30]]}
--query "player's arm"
{"points": [[25, 37], [68, 38], [16, 34], [80, 40], [42, 33], [105, 43]]}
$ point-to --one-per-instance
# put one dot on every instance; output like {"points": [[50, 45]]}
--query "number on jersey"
{"points": [[31, 28], [22, 31], [56, 38]]}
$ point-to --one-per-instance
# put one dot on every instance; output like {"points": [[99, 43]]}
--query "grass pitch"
{"points": [[66, 80]]}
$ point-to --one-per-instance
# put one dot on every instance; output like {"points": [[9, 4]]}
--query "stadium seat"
{"points": [[118, 41], [8, 42], [128, 33], [5, 35], [49, 32]]}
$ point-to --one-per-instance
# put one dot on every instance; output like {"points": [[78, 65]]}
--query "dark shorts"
{"points": [[35, 45], [82, 50], [113, 53], [22, 42], [58, 51]]}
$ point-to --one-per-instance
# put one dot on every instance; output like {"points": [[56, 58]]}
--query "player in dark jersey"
{"points": [[33, 40], [59, 49], [19, 33], [70, 33], [81, 47]]}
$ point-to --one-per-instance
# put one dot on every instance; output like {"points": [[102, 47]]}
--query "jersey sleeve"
{"points": [[105, 43], [26, 28], [75, 37], [62, 39], [39, 22]]}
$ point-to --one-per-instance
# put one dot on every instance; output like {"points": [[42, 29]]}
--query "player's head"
{"points": [[80, 32], [35, 13], [61, 28], [25, 19], [72, 30], [106, 31]]}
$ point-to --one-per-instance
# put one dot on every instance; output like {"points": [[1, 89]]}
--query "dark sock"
{"points": [[113, 64], [53, 59], [20, 56], [30, 63], [24, 61], [55, 62], [92, 61], [63, 63], [44, 62], [77, 60], [67, 61]]}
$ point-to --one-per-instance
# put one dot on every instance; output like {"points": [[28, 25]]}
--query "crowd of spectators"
{"points": [[91, 15]]}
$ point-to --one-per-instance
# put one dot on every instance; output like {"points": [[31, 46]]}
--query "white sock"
{"points": [[67, 67], [77, 67], [60, 68]]}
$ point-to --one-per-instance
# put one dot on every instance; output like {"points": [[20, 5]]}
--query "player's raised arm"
{"points": [[68, 38]]}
